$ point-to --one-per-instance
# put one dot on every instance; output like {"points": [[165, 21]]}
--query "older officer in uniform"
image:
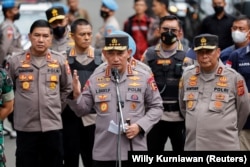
{"points": [[10, 37], [138, 89], [57, 19], [213, 99], [110, 24], [42, 81], [6, 107]]}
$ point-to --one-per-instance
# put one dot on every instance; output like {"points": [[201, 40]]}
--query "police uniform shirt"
{"points": [[215, 107], [41, 88], [137, 88]]}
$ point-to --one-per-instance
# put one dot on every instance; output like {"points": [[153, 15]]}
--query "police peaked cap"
{"points": [[131, 42], [55, 13], [205, 41]]}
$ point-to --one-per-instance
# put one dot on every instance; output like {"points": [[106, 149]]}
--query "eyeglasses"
{"points": [[173, 30]]}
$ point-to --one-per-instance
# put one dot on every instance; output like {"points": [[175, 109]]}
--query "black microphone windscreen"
{"points": [[115, 73]]}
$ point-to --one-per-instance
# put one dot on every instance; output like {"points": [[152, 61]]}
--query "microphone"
{"points": [[115, 73]]}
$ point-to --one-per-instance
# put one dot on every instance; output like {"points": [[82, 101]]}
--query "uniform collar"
{"points": [[219, 70], [128, 72]]}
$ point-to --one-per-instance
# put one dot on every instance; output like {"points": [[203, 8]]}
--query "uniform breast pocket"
{"points": [[218, 101], [134, 100], [26, 83], [191, 100], [102, 102], [52, 84]]}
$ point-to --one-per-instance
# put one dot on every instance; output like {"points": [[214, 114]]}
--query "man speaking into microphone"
{"points": [[136, 88]]}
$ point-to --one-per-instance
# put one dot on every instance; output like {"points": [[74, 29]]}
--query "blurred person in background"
{"points": [[75, 12], [107, 12], [10, 42], [240, 34], [78, 133], [160, 9], [219, 24], [58, 21], [137, 26]]}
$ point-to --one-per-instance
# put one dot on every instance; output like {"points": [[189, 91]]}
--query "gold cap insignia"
{"points": [[54, 12]]}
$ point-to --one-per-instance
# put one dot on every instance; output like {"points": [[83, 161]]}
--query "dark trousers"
{"points": [[77, 140], [39, 149], [158, 135], [109, 164]]}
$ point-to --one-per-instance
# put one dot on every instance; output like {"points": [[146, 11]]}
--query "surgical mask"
{"points": [[239, 37], [218, 9], [59, 31], [168, 38], [104, 14], [16, 16]]}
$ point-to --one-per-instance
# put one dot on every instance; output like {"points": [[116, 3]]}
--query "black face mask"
{"points": [[59, 31], [218, 9], [168, 38], [16, 16], [104, 14]]}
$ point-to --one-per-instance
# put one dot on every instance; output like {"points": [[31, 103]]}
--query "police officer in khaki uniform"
{"points": [[213, 99], [137, 88], [42, 81], [10, 37], [57, 19]]}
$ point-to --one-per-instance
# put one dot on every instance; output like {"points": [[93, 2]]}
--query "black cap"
{"points": [[205, 41], [116, 42], [55, 13]]}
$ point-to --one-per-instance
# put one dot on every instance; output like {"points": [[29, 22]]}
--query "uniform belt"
{"points": [[170, 106]]}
